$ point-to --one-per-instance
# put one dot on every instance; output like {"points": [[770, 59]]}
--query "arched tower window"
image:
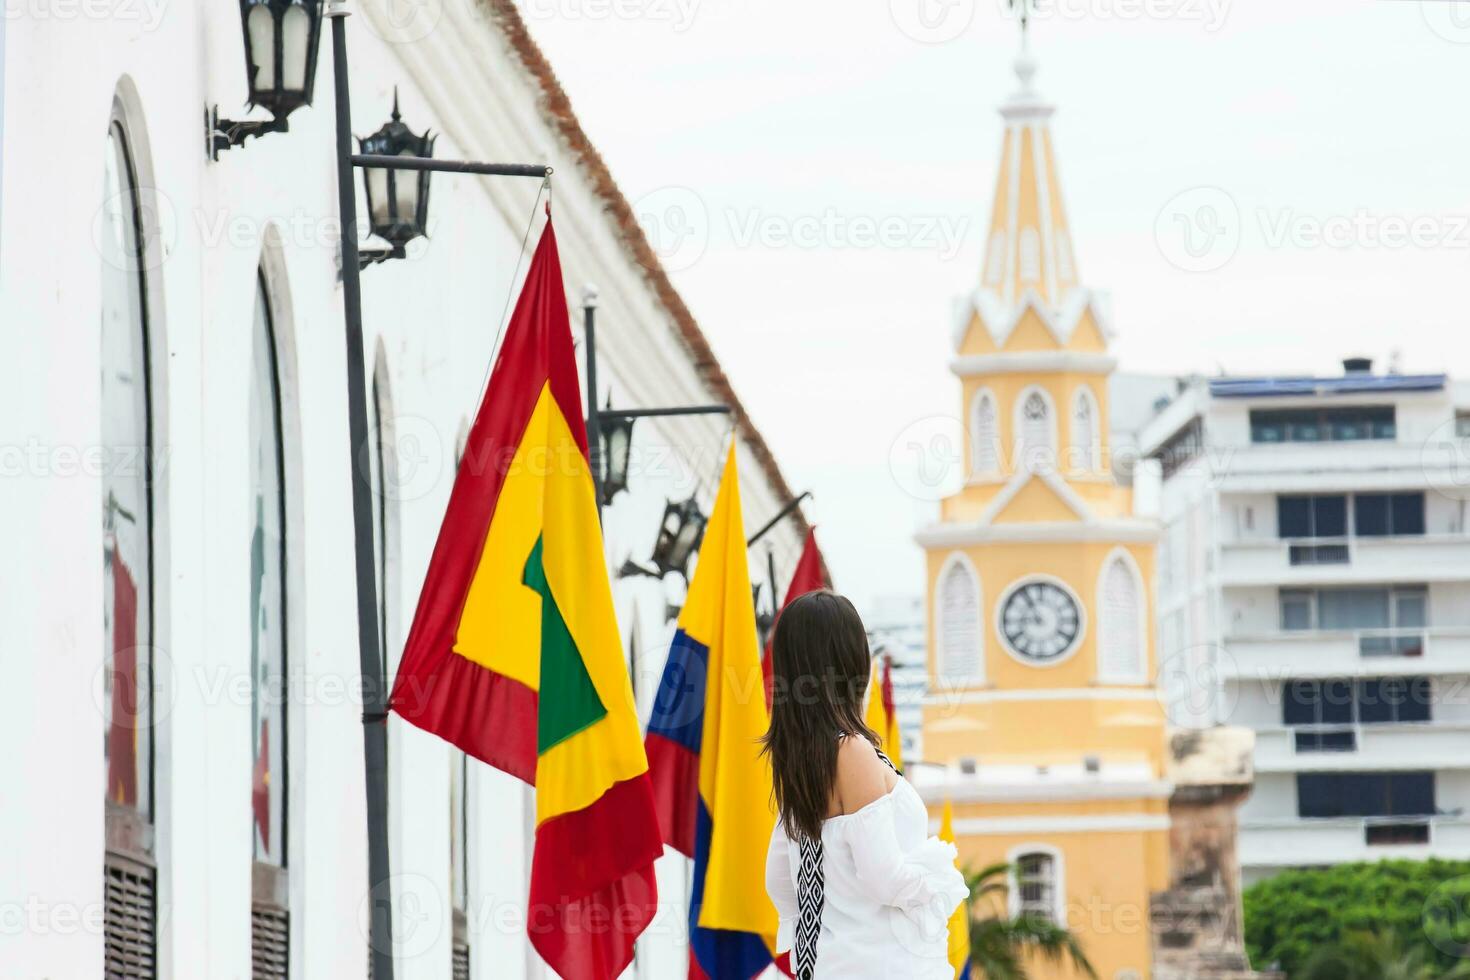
{"points": [[995, 258], [1035, 427], [1030, 245], [1085, 420], [957, 601], [984, 434], [1121, 632]]}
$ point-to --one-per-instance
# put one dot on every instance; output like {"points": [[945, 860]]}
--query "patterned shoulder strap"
{"points": [[811, 896]]}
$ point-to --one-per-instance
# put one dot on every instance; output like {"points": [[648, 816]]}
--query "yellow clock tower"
{"points": [[1042, 712]]}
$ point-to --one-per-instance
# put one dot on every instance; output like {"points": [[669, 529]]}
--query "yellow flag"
{"points": [[959, 922]]}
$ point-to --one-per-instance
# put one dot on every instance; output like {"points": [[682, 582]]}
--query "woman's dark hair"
{"points": [[820, 668]]}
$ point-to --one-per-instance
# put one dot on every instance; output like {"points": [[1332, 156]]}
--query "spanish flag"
{"points": [[882, 714], [514, 653], [712, 785], [959, 922]]}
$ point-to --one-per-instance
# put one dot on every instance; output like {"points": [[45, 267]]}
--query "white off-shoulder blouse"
{"points": [[890, 890]]}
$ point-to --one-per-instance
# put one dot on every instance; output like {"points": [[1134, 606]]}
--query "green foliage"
{"points": [[1001, 946], [1416, 912]]}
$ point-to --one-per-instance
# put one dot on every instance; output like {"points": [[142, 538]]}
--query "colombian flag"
{"points": [[882, 716], [514, 653], [713, 787], [959, 922]]}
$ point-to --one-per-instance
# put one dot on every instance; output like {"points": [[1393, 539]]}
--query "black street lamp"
{"points": [[617, 451], [398, 200], [281, 41], [679, 536]]}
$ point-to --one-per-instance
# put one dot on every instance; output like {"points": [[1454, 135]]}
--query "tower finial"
{"points": [[396, 116]]}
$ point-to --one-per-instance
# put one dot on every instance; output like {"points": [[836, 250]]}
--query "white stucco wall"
{"points": [[434, 318]]}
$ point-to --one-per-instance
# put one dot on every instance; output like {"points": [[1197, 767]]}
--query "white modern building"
{"points": [[1314, 585], [896, 628], [183, 790]]}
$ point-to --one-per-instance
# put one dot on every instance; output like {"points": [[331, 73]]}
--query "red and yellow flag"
{"points": [[514, 654]]}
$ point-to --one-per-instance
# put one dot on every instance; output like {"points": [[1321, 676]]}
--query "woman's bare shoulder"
{"points": [[861, 775]]}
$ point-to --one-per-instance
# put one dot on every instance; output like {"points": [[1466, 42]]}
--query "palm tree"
{"points": [[1000, 945], [1376, 956]]}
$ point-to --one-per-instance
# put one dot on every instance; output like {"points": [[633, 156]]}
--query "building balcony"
{"points": [[1345, 561], [1307, 654], [1380, 748], [1297, 842]]}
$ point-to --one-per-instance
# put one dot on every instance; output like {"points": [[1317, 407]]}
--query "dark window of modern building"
{"points": [[1318, 516], [1334, 424], [1377, 514], [1365, 794], [1391, 620], [1181, 447], [128, 599]]}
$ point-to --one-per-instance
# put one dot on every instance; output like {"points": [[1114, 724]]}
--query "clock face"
{"points": [[1040, 621]]}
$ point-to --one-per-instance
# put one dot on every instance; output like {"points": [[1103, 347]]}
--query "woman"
{"points": [[861, 888]]}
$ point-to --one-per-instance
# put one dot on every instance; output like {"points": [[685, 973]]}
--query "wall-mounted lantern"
{"points": [[281, 41]]}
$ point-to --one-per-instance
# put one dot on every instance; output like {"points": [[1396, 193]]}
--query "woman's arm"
{"points": [[780, 887]]}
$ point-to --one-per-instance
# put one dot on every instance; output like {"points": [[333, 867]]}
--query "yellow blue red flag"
{"points": [[710, 783]]}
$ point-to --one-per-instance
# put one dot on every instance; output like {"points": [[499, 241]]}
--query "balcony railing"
{"points": [[1296, 841], [1326, 561], [1375, 746], [1332, 653]]}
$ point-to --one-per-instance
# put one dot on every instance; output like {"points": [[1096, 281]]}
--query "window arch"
{"points": [[1122, 636], [1035, 426], [995, 258], [269, 640], [384, 481], [1085, 428], [960, 660], [131, 494], [984, 434], [1037, 885], [1030, 247]]}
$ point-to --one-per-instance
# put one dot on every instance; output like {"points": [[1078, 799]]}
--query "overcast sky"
{"points": [[1259, 186]]}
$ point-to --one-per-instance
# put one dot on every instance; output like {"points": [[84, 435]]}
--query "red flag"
{"points": [[808, 577]]}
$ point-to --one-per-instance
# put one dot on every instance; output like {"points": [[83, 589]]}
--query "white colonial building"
{"points": [[1314, 585], [183, 790]]}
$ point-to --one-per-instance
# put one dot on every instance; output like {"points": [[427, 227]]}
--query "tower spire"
{"points": [[1029, 247]]}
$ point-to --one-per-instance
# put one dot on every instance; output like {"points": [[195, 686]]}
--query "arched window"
{"points": [[1030, 256], [1121, 632], [984, 435], [958, 623], [459, 862], [1035, 427], [995, 258], [1036, 884], [1085, 442], [128, 594], [268, 646], [459, 819], [382, 474]]}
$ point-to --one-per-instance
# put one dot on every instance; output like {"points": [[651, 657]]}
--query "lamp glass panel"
{"points": [[377, 191], [262, 28], [295, 33], [406, 190]]}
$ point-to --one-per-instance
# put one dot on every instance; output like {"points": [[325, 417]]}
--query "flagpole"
{"points": [[374, 707]]}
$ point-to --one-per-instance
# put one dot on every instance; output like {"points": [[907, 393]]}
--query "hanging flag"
{"points": [[712, 785], [808, 577], [959, 922], [882, 716], [514, 653]]}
